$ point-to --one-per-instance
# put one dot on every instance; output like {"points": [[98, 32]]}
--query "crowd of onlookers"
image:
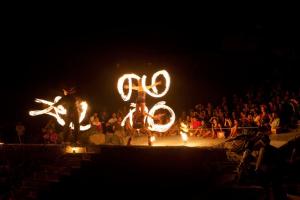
{"points": [[270, 108]]}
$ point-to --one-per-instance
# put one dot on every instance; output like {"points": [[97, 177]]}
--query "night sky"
{"points": [[205, 59]]}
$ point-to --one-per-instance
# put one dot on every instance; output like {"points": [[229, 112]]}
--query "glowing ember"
{"points": [[152, 138], [184, 136], [70, 149], [184, 127], [60, 110], [121, 81]]}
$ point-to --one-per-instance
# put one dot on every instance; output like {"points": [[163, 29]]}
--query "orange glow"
{"points": [[184, 136], [70, 149], [177, 140], [152, 138]]}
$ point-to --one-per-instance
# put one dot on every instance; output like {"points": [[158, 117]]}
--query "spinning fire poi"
{"points": [[68, 111], [140, 117]]}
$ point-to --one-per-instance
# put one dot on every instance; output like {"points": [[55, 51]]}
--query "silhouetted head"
{"points": [[67, 91]]}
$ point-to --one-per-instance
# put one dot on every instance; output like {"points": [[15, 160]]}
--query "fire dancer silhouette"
{"points": [[139, 114], [69, 102]]}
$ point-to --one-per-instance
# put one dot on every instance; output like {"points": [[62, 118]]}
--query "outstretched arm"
{"points": [[134, 87], [155, 84], [154, 117]]}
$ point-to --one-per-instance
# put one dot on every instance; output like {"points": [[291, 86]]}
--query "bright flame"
{"points": [[130, 115], [160, 127], [57, 110], [151, 123], [152, 138], [129, 77], [159, 105], [60, 110], [184, 127], [166, 75], [184, 136], [74, 149], [84, 107], [121, 85]]}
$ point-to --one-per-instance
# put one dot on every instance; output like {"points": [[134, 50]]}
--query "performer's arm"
{"points": [[155, 84], [155, 117], [134, 87], [147, 114]]}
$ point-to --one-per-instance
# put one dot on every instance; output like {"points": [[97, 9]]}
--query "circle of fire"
{"points": [[154, 93]]}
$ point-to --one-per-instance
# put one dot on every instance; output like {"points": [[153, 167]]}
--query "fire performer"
{"points": [[70, 103], [139, 115]]}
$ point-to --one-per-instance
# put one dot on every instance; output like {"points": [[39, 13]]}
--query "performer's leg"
{"points": [[142, 107], [149, 138], [149, 141], [138, 106], [66, 129], [76, 128], [129, 140]]}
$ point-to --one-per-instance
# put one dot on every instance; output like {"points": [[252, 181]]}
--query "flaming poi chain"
{"points": [[57, 111], [154, 93]]}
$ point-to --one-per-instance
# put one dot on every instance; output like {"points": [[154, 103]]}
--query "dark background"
{"points": [[206, 58]]}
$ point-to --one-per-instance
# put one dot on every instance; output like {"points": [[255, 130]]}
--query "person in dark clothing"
{"points": [[68, 101], [103, 120], [286, 114], [138, 120]]}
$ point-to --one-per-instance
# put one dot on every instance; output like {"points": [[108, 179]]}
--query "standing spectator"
{"points": [[20, 129]]}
